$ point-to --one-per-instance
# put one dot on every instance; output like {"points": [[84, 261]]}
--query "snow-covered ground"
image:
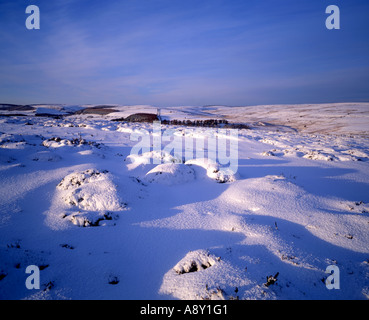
{"points": [[102, 222]]}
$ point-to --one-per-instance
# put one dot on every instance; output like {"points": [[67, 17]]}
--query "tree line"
{"points": [[215, 123]]}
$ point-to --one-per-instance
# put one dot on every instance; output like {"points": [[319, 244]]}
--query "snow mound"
{"points": [[76, 179], [10, 138], [278, 199], [57, 142], [171, 166], [92, 219], [318, 155], [268, 154], [151, 156], [201, 275], [195, 261], [170, 174], [213, 170], [87, 198], [321, 148], [12, 141], [90, 190]]}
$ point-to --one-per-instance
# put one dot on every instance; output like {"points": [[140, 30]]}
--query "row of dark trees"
{"points": [[213, 123], [196, 123]]}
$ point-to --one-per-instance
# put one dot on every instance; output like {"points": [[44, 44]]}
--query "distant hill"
{"points": [[16, 107]]}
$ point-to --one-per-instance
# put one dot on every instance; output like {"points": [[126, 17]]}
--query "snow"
{"points": [[104, 222], [213, 169], [170, 173], [91, 192]]}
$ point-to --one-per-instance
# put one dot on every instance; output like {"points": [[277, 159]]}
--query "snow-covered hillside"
{"points": [[102, 222]]}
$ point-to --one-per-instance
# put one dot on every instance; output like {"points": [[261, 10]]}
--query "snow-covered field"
{"points": [[103, 223]]}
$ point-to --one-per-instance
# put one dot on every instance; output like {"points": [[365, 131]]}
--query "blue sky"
{"points": [[184, 52]]}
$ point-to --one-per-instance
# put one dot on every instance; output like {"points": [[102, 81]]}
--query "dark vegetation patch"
{"points": [[210, 123], [271, 279], [101, 110], [113, 280], [139, 117], [16, 107]]}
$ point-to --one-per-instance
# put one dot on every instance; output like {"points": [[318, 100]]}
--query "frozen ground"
{"points": [[103, 224]]}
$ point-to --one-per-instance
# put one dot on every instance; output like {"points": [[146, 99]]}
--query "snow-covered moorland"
{"points": [[102, 222]]}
